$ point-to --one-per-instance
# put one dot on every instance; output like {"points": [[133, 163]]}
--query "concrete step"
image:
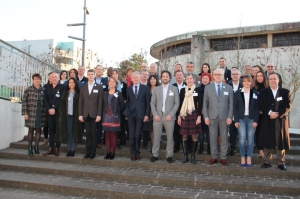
{"points": [[124, 152], [9, 193], [144, 164], [70, 173]]}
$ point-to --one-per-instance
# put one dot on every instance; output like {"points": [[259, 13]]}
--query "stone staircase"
{"points": [[23, 176]]}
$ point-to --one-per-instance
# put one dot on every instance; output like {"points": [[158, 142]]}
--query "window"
{"points": [[180, 49], [286, 39]]}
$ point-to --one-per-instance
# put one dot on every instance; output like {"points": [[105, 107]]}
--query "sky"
{"points": [[118, 28]]}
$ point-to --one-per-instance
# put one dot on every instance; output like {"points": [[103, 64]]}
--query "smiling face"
{"points": [[165, 78], [71, 84], [222, 63], [189, 80], [259, 77], [153, 81], [112, 83], [273, 81], [205, 68]]}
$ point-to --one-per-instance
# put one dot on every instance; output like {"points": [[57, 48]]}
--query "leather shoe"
{"points": [[98, 146], [132, 157], [87, 155], [92, 156], [224, 162], [266, 165], [213, 161], [153, 159], [170, 160], [282, 167], [49, 152], [137, 157], [56, 152]]}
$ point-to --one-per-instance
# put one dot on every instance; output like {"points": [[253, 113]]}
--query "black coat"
{"points": [[62, 127], [239, 106], [282, 105], [198, 100], [117, 103]]}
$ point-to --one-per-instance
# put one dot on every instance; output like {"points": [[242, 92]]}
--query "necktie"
{"points": [[135, 92], [219, 90]]}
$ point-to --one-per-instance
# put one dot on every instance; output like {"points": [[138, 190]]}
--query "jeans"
{"points": [[246, 132], [70, 144]]}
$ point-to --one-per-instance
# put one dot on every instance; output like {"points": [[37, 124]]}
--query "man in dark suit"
{"points": [[90, 110], [227, 72], [271, 69], [179, 84], [236, 84], [80, 77], [137, 111], [217, 112], [52, 96], [103, 82], [275, 104]]}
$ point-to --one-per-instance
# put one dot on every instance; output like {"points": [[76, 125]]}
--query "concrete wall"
{"points": [[11, 122]]}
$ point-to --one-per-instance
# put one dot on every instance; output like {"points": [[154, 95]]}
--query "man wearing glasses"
{"points": [[247, 70], [217, 112], [271, 69]]}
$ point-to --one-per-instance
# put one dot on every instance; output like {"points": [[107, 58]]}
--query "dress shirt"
{"points": [[180, 86], [91, 86], [98, 80], [247, 98], [165, 92], [235, 86], [70, 103], [216, 86], [274, 92], [133, 88]]}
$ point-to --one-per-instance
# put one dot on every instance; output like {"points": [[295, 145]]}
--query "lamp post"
{"points": [[85, 12]]}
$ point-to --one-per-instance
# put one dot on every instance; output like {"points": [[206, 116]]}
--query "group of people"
{"points": [[190, 107]]}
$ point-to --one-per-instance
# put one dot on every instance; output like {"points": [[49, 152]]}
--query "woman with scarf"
{"points": [[189, 118]]}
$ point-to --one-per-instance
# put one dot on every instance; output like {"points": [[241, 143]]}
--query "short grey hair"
{"points": [[237, 70], [135, 73], [154, 65], [219, 69]]}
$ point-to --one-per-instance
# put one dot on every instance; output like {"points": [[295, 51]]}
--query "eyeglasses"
{"points": [[234, 74], [270, 66], [218, 75]]}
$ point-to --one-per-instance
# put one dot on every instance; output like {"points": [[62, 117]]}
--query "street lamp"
{"points": [[85, 12]]}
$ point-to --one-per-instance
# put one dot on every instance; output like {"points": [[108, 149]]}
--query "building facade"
{"points": [[241, 46]]}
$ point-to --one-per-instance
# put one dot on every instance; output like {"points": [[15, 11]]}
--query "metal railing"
{"points": [[16, 69]]}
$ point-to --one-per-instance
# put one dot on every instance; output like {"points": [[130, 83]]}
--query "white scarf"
{"points": [[188, 102]]}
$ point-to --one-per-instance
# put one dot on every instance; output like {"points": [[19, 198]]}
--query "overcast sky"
{"points": [[118, 28]]}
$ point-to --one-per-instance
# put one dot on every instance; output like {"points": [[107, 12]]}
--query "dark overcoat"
{"points": [[281, 104], [62, 127], [29, 105]]}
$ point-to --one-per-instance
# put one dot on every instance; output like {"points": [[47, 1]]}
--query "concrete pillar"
{"points": [[198, 51], [270, 40]]}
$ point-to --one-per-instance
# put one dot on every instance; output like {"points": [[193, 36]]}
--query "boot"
{"points": [[112, 155], [36, 150], [30, 152], [107, 156], [49, 152], [56, 152], [194, 149], [201, 149], [185, 152], [45, 141], [208, 149], [68, 153], [72, 153]]}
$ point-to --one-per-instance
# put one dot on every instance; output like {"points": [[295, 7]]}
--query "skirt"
{"points": [[188, 124]]}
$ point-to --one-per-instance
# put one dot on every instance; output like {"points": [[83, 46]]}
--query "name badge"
{"points": [[254, 96], [57, 95], [183, 86], [199, 82], [103, 86], [279, 98], [195, 94], [225, 93], [116, 95], [171, 93], [95, 91], [69, 98]]}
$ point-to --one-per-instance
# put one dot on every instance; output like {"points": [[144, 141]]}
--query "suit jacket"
{"points": [[171, 103], [227, 75], [239, 106], [280, 78], [214, 106], [103, 83], [281, 104], [90, 104], [196, 79], [84, 80], [141, 105]]}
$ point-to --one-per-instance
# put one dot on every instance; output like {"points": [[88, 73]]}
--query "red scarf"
{"points": [[128, 80]]}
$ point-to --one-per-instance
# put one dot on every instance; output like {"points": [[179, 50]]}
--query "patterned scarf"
{"points": [[188, 102]]}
